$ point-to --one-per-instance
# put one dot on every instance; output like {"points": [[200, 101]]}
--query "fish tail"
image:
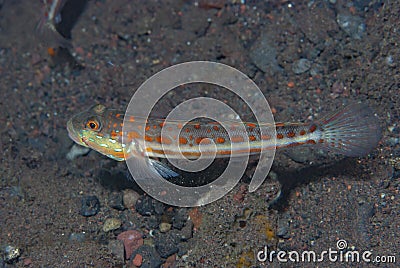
{"points": [[352, 131], [50, 36]]}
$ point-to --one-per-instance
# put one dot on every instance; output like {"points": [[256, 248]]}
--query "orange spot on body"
{"points": [[147, 128], [115, 125], [162, 124], [220, 140], [252, 138], [51, 51], [291, 134], [133, 135], [216, 128], [302, 132], [148, 138], [118, 116], [114, 134], [311, 142], [279, 136], [279, 124], [163, 140], [312, 128], [197, 126], [251, 125], [182, 140]]}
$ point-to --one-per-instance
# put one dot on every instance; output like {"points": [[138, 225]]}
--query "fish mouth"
{"points": [[73, 134]]}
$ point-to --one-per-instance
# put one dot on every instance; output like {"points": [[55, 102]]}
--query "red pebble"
{"points": [[137, 261], [132, 240], [28, 262]]}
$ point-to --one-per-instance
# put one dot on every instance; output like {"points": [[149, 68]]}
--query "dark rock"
{"points": [[147, 206], [116, 248], [179, 219], [158, 207], [263, 53], [283, 227], [167, 244], [90, 206], [151, 258], [153, 222], [116, 201], [183, 248], [354, 26], [187, 231]]}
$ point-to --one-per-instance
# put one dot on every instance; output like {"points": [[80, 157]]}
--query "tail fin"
{"points": [[352, 131], [50, 36]]}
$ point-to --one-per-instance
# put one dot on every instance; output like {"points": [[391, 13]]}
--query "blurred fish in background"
{"points": [[55, 26]]}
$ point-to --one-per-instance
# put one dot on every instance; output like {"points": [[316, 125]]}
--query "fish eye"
{"points": [[93, 124]]}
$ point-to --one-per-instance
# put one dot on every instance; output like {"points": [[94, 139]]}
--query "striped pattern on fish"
{"points": [[351, 131]]}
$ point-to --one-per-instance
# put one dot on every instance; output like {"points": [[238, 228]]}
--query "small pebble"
{"points": [[165, 227], [28, 262], [390, 61], [129, 198], [187, 231], [116, 201], [167, 244], [300, 66], [263, 53], [77, 237], [132, 240], [11, 254], [90, 206], [147, 206], [150, 257], [137, 260], [179, 218], [116, 248], [354, 26], [111, 224]]}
